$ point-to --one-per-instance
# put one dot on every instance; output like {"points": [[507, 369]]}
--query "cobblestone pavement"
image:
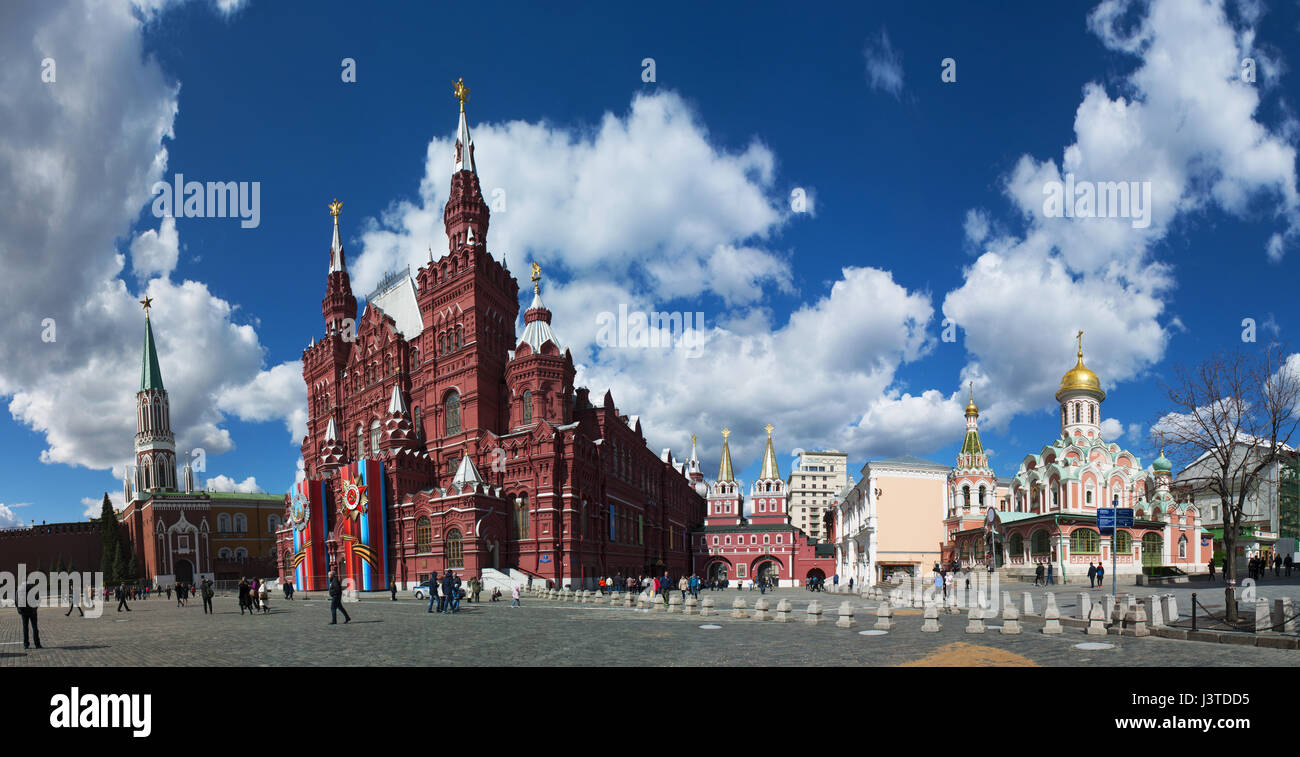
{"points": [[547, 633]]}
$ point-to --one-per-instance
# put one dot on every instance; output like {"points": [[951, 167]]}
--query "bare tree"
{"points": [[1232, 420]]}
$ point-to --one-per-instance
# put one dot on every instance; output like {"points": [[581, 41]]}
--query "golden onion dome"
{"points": [[971, 408], [1080, 377]]}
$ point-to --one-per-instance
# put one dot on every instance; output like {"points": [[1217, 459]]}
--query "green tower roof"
{"points": [[150, 373]]}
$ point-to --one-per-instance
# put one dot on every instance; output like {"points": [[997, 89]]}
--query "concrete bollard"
{"points": [[1263, 616], [1113, 610], [813, 615], [1155, 613], [615, 599], [884, 617], [692, 606], [629, 600], [761, 609], [738, 608], [931, 624], [1029, 604], [1171, 609], [1097, 621], [1085, 605], [975, 620], [706, 607], [1010, 619], [1051, 615], [1135, 620], [783, 608], [675, 604], [950, 603], [1282, 620], [657, 604], [846, 615]]}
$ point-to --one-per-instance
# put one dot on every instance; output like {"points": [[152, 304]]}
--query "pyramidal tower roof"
{"points": [[150, 372], [336, 246], [770, 469], [466, 473], [464, 142], [725, 472]]}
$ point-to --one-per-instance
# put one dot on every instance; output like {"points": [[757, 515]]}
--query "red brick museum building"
{"points": [[439, 439]]}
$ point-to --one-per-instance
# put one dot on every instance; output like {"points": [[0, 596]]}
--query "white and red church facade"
{"points": [[439, 440], [1049, 515]]}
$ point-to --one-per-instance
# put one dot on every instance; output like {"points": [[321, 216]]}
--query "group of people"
{"points": [[1095, 574], [1043, 576], [1258, 565], [253, 596], [446, 593]]}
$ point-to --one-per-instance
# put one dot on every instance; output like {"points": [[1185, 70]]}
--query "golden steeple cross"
{"points": [[462, 92], [147, 303], [769, 428], [726, 432], [1079, 336], [336, 207], [536, 276]]}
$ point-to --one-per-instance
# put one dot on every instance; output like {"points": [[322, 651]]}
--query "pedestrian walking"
{"points": [[74, 601], [392, 585], [1092, 575], [514, 596], [121, 598], [264, 600], [1288, 562], [938, 585], [1050, 579], [336, 600], [433, 592], [1277, 565], [27, 611], [1211, 564], [245, 602], [206, 591], [1038, 574], [1101, 574]]}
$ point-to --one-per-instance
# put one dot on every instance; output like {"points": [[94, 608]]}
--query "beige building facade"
{"points": [[892, 520], [815, 486]]}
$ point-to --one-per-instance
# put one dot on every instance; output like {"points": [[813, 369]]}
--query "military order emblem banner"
{"points": [[363, 531]]}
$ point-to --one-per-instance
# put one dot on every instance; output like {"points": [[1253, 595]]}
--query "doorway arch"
{"points": [[184, 572], [817, 573], [718, 571]]}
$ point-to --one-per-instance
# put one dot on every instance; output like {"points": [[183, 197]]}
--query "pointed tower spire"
{"points": [[396, 405], [724, 470], [150, 373], [336, 246], [466, 474], [464, 143], [331, 432], [770, 469]]}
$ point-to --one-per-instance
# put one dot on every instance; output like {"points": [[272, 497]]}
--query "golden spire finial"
{"points": [[769, 428], [1079, 336], [536, 277], [147, 303], [972, 391], [336, 207], [462, 92], [726, 432], [692, 440]]}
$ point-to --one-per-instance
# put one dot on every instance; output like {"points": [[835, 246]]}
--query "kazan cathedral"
{"points": [[1049, 515], [438, 439]]}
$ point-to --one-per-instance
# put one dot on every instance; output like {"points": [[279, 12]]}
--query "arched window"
{"points": [[223, 523], [1076, 412], [965, 496], [224, 553], [1123, 543], [981, 497], [417, 423], [452, 408], [1182, 546], [455, 555], [1040, 543], [528, 406], [241, 554], [374, 435], [1017, 544], [423, 534], [1084, 541], [521, 516], [241, 523], [1092, 413], [273, 523], [361, 442]]}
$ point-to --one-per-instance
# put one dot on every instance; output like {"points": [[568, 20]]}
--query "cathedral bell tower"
{"points": [[340, 304], [1080, 397]]}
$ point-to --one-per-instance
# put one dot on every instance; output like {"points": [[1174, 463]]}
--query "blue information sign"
{"points": [[1124, 517], [1106, 519]]}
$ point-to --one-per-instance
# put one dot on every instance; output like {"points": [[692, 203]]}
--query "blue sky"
{"points": [[670, 195]]}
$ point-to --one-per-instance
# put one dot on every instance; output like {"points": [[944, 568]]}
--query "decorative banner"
{"points": [[364, 529], [307, 516]]}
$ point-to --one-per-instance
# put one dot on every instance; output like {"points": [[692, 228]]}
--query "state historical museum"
{"points": [[438, 439]]}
